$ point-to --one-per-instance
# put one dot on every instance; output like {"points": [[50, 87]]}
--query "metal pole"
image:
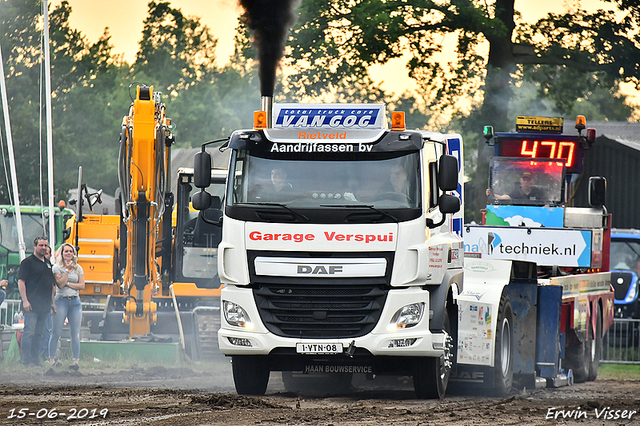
{"points": [[47, 79], [12, 161]]}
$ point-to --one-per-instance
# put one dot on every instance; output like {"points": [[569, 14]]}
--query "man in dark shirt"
{"points": [[527, 191], [37, 290]]}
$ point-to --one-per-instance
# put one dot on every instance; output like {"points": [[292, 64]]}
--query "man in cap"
{"points": [[527, 191]]}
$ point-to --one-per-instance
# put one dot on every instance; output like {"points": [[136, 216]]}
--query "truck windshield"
{"points": [[625, 255], [32, 228], [518, 182], [325, 182]]}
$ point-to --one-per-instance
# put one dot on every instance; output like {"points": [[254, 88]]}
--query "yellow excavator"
{"points": [[151, 269]]}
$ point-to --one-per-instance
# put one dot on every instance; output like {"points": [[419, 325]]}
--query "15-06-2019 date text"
{"points": [[53, 413]]}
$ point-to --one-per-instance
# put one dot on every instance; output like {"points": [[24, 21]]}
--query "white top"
{"points": [[74, 277]]}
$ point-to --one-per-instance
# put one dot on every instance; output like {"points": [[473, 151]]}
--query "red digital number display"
{"points": [[567, 151]]}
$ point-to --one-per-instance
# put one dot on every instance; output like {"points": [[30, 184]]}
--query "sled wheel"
{"points": [[250, 375], [596, 346], [431, 375], [503, 360]]}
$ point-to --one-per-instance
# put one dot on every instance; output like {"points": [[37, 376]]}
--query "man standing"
{"points": [[37, 290], [46, 331]]}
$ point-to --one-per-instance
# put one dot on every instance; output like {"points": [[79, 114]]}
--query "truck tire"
{"points": [[596, 346], [250, 375], [431, 375], [503, 359], [579, 357]]}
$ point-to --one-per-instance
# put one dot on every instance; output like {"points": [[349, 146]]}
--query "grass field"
{"points": [[619, 371]]}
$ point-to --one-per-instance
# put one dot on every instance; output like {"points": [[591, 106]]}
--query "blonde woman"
{"points": [[69, 280]]}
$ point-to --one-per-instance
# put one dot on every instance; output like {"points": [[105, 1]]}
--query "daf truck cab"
{"points": [[341, 247]]}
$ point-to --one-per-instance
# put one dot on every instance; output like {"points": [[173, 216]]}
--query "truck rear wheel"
{"points": [[503, 360], [431, 375], [596, 346], [250, 375], [579, 357]]}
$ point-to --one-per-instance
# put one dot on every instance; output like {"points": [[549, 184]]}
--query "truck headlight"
{"points": [[236, 315], [407, 316]]}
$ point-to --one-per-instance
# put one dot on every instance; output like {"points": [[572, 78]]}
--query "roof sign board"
{"points": [[329, 116], [538, 124]]}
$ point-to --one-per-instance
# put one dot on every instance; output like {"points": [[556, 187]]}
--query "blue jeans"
{"points": [[34, 324], [67, 308], [43, 349]]}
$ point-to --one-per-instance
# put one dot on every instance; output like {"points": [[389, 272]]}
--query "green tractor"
{"points": [[35, 222]]}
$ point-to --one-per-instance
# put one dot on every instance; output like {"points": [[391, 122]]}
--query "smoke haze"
{"points": [[269, 21]]}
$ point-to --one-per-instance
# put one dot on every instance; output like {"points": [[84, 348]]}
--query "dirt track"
{"points": [[205, 396]]}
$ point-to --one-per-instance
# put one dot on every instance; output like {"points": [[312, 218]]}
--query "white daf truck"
{"points": [[341, 250]]}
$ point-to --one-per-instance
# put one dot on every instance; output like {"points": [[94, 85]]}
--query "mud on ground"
{"points": [[204, 395]]}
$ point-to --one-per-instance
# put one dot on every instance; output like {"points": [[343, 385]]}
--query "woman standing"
{"points": [[69, 279]]}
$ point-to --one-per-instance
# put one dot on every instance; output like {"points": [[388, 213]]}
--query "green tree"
{"points": [[177, 57], [88, 101], [20, 42], [175, 50], [214, 109], [335, 42]]}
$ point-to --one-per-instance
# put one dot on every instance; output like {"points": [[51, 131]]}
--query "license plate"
{"points": [[319, 348]]}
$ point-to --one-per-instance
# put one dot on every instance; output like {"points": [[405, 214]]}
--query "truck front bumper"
{"points": [[416, 341]]}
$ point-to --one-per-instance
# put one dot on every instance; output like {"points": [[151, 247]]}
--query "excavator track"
{"points": [[207, 320]]}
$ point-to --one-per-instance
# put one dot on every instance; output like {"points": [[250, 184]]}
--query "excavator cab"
{"points": [[198, 233]]}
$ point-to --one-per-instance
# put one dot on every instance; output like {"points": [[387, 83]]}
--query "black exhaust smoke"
{"points": [[269, 20]]}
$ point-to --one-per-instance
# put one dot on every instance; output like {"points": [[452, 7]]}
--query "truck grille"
{"points": [[320, 311]]}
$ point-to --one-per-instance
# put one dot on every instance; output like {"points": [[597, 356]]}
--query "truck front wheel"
{"points": [[431, 375], [504, 348], [250, 375]]}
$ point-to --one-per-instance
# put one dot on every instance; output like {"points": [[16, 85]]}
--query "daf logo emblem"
{"points": [[319, 269]]}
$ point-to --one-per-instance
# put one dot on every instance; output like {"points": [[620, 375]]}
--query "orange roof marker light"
{"points": [[259, 120], [397, 121]]}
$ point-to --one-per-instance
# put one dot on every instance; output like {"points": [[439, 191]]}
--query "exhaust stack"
{"points": [[266, 105]]}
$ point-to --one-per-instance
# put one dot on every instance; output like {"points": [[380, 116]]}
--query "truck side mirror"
{"points": [[449, 204], [597, 191], [201, 200], [202, 169], [448, 173]]}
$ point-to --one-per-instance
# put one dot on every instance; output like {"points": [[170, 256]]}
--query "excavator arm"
{"points": [[143, 164]]}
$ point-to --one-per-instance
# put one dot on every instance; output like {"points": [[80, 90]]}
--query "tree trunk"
{"points": [[497, 94]]}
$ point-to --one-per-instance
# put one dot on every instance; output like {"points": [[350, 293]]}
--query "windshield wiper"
{"points": [[284, 206], [359, 206]]}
